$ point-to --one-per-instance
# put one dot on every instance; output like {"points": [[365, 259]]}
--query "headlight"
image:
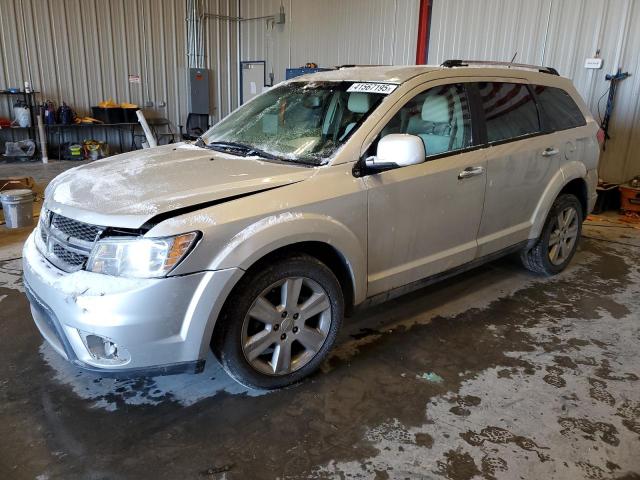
{"points": [[140, 257]]}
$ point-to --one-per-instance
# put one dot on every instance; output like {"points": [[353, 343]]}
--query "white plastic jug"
{"points": [[22, 116]]}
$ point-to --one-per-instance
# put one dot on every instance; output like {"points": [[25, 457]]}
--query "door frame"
{"points": [[360, 170]]}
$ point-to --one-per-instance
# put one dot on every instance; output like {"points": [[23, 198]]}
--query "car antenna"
{"points": [[514, 57]]}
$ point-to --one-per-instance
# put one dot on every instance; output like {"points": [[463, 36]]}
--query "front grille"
{"points": [[67, 243], [73, 228], [70, 258], [43, 236]]}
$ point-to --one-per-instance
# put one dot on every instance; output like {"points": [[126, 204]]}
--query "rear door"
{"points": [[520, 162], [423, 219], [561, 119]]}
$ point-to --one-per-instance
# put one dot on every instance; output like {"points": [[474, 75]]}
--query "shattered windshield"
{"points": [[302, 122]]}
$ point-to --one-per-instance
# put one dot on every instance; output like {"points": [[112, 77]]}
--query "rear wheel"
{"points": [[559, 238], [280, 323]]}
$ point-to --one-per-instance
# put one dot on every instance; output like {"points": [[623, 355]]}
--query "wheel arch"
{"points": [[322, 251], [578, 187], [571, 178], [320, 236]]}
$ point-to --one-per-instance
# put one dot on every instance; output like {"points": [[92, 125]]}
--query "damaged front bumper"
{"points": [[122, 326]]}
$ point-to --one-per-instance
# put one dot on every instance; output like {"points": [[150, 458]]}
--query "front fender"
{"points": [[282, 230], [569, 171]]}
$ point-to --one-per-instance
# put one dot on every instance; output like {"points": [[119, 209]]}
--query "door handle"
{"points": [[470, 172], [550, 152]]}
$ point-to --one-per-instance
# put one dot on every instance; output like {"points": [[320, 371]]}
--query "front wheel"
{"points": [[559, 238], [280, 323]]}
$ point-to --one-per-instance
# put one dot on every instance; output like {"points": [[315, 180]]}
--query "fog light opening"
{"points": [[104, 350]]}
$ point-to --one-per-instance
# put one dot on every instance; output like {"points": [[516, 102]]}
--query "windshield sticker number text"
{"points": [[383, 88]]}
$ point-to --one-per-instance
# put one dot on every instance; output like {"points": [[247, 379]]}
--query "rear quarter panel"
{"points": [[580, 156]]}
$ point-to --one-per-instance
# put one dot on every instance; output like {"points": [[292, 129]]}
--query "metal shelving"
{"points": [[29, 100]]}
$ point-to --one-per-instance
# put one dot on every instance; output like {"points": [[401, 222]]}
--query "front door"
{"points": [[423, 219]]}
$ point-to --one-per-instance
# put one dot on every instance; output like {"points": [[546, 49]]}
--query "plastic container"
{"points": [[629, 198], [22, 115], [108, 115], [18, 208], [129, 115], [23, 148]]}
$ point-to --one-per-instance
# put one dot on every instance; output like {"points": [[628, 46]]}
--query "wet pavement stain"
{"points": [[591, 430], [423, 440], [492, 466], [499, 435], [462, 403], [630, 413], [458, 465], [598, 391], [554, 377], [362, 418]]}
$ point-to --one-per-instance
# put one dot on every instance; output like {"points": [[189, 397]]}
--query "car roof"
{"points": [[387, 73], [401, 73]]}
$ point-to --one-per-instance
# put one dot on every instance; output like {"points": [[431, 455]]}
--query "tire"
{"points": [[284, 326], [540, 258]]}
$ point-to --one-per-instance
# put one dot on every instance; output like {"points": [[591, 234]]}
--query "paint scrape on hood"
{"points": [[129, 189]]}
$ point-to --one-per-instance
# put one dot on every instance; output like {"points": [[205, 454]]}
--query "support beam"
{"points": [[424, 24]]}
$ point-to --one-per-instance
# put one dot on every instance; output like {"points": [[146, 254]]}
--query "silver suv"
{"points": [[327, 192]]}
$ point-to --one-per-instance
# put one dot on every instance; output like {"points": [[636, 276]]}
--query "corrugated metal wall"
{"points": [[330, 32], [221, 55], [82, 52], [574, 30]]}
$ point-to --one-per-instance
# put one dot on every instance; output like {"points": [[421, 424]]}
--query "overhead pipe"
{"points": [[195, 36], [546, 34], [280, 16]]}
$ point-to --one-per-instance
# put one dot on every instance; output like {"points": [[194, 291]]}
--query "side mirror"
{"points": [[397, 150]]}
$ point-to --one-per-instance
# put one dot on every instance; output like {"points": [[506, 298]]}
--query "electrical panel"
{"points": [[199, 101]]}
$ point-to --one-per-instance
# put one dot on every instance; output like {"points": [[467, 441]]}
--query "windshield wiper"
{"points": [[200, 142], [247, 150]]}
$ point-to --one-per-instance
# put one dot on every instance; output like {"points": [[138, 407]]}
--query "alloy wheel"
{"points": [[564, 235], [286, 326]]}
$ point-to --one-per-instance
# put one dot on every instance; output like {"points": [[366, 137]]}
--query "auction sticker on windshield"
{"points": [[384, 88]]}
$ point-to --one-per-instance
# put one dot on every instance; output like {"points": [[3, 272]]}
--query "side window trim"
{"points": [[545, 124], [478, 125], [542, 119]]}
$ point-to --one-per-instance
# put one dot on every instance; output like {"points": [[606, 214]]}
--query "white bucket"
{"points": [[18, 208]]}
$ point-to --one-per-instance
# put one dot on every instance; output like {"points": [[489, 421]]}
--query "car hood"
{"points": [[130, 189]]}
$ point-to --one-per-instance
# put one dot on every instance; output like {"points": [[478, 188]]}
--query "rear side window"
{"points": [[509, 110], [561, 112]]}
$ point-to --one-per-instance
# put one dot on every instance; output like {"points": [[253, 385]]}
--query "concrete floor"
{"points": [[493, 374]]}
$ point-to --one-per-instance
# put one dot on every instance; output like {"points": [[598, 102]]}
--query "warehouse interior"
{"points": [[494, 373]]}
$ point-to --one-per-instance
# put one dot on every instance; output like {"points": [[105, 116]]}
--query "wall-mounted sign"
{"points": [[133, 78], [594, 63]]}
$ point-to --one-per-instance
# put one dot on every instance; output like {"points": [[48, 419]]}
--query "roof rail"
{"points": [[353, 65], [466, 63]]}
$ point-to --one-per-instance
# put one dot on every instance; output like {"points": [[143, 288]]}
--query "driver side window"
{"points": [[440, 116]]}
